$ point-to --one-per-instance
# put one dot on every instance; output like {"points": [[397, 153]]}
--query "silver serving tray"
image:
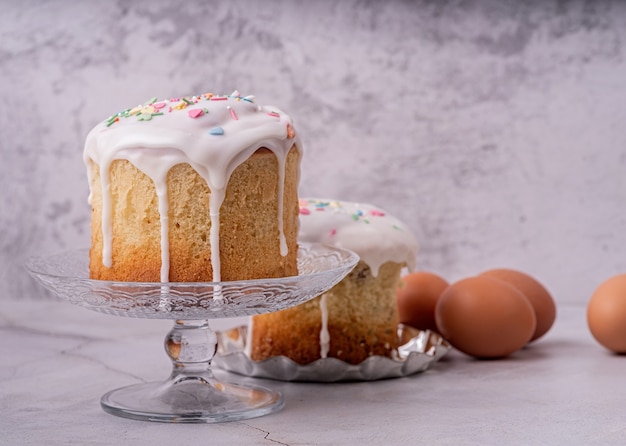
{"points": [[419, 351]]}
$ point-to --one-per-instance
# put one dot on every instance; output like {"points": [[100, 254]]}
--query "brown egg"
{"points": [[539, 297], [484, 317], [606, 314], [417, 297]]}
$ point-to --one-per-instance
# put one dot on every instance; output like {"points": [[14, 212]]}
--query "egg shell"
{"points": [[606, 314], [485, 317], [417, 297], [537, 294]]}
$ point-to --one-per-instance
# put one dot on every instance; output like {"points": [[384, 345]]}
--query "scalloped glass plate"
{"points": [[67, 275], [418, 352]]}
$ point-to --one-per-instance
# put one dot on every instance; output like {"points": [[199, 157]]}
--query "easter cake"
{"points": [[357, 318], [196, 188]]}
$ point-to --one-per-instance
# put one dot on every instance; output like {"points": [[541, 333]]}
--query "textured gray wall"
{"points": [[495, 129]]}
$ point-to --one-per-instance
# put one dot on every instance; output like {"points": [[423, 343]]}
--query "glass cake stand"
{"points": [[191, 393]]}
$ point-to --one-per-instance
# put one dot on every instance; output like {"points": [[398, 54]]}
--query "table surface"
{"points": [[58, 359]]}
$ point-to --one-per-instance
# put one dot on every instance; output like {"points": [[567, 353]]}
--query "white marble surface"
{"points": [[495, 129], [59, 359]]}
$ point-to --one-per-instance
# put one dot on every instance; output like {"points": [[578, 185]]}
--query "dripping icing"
{"points": [[324, 334]]}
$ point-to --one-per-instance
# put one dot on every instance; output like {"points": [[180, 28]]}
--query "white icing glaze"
{"points": [[213, 134], [372, 233], [248, 345], [324, 334]]}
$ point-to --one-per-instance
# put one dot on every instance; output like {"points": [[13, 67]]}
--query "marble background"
{"points": [[495, 129]]}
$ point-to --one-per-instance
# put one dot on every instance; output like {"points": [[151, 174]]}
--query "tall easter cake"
{"points": [[357, 318], [197, 188]]}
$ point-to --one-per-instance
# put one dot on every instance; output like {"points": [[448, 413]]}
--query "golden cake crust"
{"points": [[362, 321], [249, 231]]}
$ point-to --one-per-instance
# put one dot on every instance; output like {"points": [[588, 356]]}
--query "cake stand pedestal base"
{"points": [[191, 401], [191, 394]]}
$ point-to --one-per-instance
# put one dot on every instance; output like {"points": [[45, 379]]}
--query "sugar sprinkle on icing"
{"points": [[372, 233], [151, 108], [216, 131]]}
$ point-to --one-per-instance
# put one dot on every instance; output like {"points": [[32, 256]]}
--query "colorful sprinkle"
{"points": [[195, 113], [333, 232], [151, 108], [233, 114], [135, 110], [144, 117], [377, 213], [290, 131], [273, 114], [305, 211], [112, 120]]}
